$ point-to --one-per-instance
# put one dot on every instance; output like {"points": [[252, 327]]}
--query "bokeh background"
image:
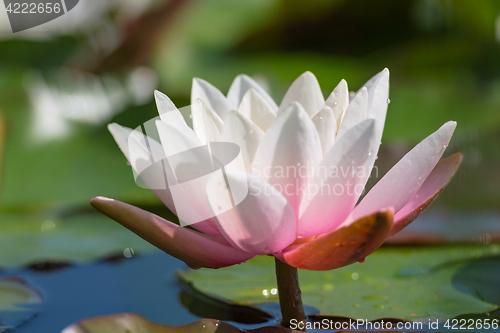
{"points": [[63, 82]]}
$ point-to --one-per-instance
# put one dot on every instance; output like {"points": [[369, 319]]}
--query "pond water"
{"points": [[143, 284]]}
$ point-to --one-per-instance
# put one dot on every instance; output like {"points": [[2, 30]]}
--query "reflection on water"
{"points": [[68, 96]]}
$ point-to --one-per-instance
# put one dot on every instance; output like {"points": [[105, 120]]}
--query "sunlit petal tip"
{"points": [[428, 192], [121, 135], [192, 247], [212, 96], [240, 86], [306, 90], [341, 247]]}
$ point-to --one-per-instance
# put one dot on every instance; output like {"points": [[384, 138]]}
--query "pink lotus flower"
{"points": [[305, 220]]}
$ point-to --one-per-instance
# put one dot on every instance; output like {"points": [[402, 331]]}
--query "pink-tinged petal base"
{"points": [[341, 247], [430, 189], [192, 247]]}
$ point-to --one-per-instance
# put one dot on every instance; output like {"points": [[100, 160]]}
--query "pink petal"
{"points": [[338, 182], [262, 223], [180, 170], [289, 150], [194, 248], [401, 183], [342, 247], [430, 189]]}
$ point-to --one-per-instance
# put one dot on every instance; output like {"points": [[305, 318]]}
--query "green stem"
{"points": [[289, 293]]}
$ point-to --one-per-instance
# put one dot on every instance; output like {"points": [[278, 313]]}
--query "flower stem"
{"points": [[289, 293]]}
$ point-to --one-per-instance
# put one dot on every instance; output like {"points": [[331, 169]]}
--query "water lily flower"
{"points": [[309, 220]]}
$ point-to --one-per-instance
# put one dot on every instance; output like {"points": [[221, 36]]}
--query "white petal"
{"points": [[338, 182], [203, 90], [305, 90], [378, 95], [262, 223], [206, 123], [244, 133], [355, 113], [338, 101], [290, 148], [254, 107], [134, 147], [241, 84], [326, 125], [169, 114], [399, 185], [175, 141]]}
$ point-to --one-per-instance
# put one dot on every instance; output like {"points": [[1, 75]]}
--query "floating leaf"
{"points": [[479, 278], [18, 302], [131, 322], [29, 239], [204, 305], [409, 283]]}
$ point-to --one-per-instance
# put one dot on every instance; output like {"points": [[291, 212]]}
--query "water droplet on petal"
{"points": [[335, 103], [337, 93], [388, 101], [191, 116], [128, 163]]}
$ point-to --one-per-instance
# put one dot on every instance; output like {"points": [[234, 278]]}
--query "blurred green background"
{"points": [[60, 84]]}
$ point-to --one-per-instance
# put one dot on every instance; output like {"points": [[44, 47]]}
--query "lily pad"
{"points": [[30, 239], [18, 302], [131, 322], [411, 283], [479, 278]]}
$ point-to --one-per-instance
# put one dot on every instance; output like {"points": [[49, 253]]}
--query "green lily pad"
{"points": [[18, 302], [409, 283], [479, 278], [29, 239]]}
